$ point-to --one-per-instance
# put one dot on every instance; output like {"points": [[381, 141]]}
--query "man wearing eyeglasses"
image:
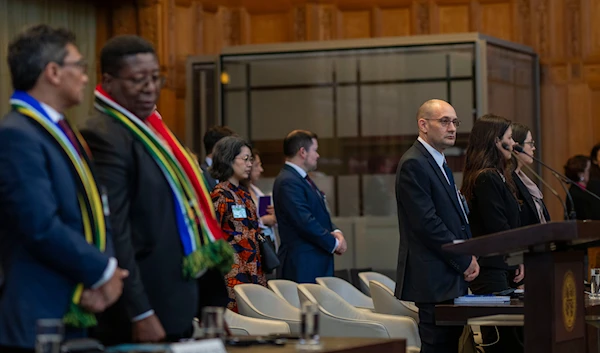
{"points": [[155, 198], [49, 199], [431, 213]]}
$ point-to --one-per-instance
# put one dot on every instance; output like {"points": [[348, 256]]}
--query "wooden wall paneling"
{"points": [[595, 108], [579, 119], [356, 24], [422, 16], [522, 26], [124, 18], [555, 148], [329, 23], [394, 21], [496, 19], [451, 16], [591, 30], [270, 27]]}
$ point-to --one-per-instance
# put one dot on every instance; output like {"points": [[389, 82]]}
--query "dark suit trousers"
{"points": [[434, 338], [6, 349]]}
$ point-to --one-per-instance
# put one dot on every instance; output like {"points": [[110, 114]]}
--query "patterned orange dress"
{"points": [[241, 232]]}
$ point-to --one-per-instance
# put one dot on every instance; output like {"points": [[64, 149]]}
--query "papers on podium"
{"points": [[482, 299]]}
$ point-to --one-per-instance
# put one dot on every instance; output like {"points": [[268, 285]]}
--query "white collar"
{"points": [[208, 161], [437, 155], [300, 171], [52, 113]]}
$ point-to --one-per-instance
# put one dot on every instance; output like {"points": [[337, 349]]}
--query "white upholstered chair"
{"points": [[287, 290], [386, 303], [256, 301], [347, 291], [331, 305]]}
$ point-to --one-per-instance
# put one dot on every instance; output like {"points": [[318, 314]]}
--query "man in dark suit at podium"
{"points": [[431, 213]]}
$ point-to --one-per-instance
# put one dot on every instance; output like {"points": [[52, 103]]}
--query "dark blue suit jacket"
{"points": [[304, 227], [429, 216], [43, 251]]}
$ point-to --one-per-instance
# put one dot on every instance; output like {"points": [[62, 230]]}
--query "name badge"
{"points": [[238, 211], [464, 202]]}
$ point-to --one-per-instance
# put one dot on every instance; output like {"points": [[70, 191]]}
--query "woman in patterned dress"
{"points": [[236, 212]]}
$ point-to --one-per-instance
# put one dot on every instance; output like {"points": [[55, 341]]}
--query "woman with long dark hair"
{"points": [[490, 191]]}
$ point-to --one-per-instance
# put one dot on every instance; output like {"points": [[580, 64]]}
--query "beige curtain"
{"points": [[76, 15]]}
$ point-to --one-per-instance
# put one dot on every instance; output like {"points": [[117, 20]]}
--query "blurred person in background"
{"points": [[236, 212], [267, 221], [577, 169], [211, 137]]}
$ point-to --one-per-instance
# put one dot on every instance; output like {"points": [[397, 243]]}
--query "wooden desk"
{"points": [[334, 344], [459, 314]]}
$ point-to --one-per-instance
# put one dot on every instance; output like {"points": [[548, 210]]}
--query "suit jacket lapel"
{"points": [[318, 195], [440, 175]]}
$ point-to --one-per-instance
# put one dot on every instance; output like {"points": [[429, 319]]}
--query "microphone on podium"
{"points": [[554, 192]]}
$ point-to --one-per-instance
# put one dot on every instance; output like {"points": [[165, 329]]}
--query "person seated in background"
{"points": [[577, 168], [594, 182], [533, 209], [211, 137], [595, 163], [268, 221], [236, 212]]}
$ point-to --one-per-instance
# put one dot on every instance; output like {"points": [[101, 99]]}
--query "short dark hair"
{"points": [[576, 165], [225, 152], [32, 50], [119, 47], [296, 140], [213, 135]]}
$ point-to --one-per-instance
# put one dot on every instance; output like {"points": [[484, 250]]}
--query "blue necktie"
{"points": [[449, 175]]}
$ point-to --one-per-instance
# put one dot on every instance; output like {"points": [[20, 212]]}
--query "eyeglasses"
{"points": [[82, 64], [530, 143], [446, 121], [246, 159], [140, 82]]}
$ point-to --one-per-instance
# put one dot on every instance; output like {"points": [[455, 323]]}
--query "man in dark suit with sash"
{"points": [[54, 248], [163, 224], [431, 213]]}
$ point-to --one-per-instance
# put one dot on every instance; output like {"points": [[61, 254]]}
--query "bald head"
{"points": [[435, 119], [431, 108]]}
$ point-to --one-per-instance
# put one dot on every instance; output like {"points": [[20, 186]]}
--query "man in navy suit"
{"points": [[431, 213], [308, 237], [43, 250]]}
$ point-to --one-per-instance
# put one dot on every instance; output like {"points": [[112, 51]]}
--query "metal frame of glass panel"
{"points": [[201, 115]]}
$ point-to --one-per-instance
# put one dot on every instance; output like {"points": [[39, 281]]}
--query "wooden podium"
{"points": [[554, 292]]}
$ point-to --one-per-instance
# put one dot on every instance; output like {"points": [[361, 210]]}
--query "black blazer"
{"points": [[528, 214], [586, 206], [144, 232], [210, 181], [493, 209], [429, 216]]}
